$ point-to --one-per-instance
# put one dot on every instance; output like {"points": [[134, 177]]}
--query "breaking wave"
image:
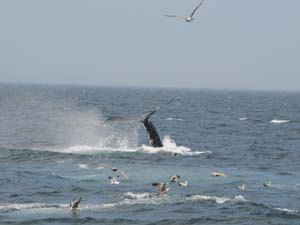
{"points": [[219, 200]]}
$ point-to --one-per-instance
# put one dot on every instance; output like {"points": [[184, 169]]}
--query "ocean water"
{"points": [[60, 142]]}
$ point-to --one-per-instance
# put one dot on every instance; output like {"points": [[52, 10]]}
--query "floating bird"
{"points": [[188, 18], [267, 184], [217, 174], [174, 178], [161, 187], [186, 183], [114, 180], [241, 187], [74, 204]]}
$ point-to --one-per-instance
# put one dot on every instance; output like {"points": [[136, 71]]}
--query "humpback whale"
{"points": [[153, 136]]}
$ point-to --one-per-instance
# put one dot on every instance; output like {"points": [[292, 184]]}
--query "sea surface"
{"points": [[60, 142]]}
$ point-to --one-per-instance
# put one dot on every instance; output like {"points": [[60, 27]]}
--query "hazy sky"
{"points": [[232, 44]]}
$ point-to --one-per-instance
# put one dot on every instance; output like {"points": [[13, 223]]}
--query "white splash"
{"points": [[170, 146], [84, 149]]}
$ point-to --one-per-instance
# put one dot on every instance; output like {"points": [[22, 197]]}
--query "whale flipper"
{"points": [[153, 136]]}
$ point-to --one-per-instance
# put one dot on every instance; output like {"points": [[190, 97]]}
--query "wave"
{"points": [[142, 198], [219, 200], [169, 146], [131, 198], [16, 207], [286, 210], [6, 208]]}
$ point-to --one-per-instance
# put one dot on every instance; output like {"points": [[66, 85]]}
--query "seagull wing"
{"points": [[123, 174], [178, 17], [114, 169], [170, 15], [159, 186], [197, 8]]}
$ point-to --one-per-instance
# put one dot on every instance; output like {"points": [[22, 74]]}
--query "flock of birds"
{"points": [[162, 186]]}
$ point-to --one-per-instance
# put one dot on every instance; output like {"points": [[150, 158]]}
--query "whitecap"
{"points": [[287, 210], [219, 200], [97, 207], [131, 198], [14, 207], [243, 118], [83, 166], [279, 121]]}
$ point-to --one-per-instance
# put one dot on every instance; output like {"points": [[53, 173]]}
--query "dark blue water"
{"points": [[58, 142]]}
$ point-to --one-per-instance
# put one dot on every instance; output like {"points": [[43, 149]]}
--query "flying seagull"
{"points": [[188, 18], [74, 204], [161, 187], [114, 169]]}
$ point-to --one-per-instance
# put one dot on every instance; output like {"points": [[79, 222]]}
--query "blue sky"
{"points": [[231, 44]]}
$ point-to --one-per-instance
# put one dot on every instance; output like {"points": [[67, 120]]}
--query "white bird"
{"points": [[185, 184], [187, 18], [114, 180], [217, 174], [241, 187], [267, 184]]}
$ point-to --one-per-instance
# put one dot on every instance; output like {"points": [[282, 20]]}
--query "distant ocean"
{"points": [[60, 142]]}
